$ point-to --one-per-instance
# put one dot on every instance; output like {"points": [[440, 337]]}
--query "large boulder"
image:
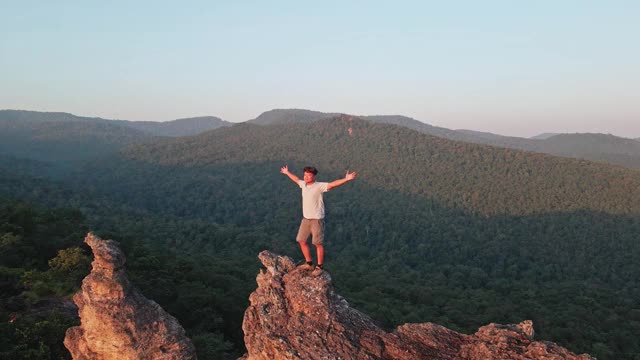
{"points": [[117, 321]]}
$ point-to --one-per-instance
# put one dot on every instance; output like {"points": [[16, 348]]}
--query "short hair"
{"points": [[310, 169]]}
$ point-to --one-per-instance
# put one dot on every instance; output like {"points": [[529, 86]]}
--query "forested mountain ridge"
{"points": [[596, 147], [178, 127], [588, 141], [290, 116], [100, 136], [589, 146], [421, 127], [483, 179], [287, 116], [543, 136], [64, 138], [39, 116], [64, 141]]}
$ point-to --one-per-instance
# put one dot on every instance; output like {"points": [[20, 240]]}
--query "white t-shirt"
{"points": [[312, 202]]}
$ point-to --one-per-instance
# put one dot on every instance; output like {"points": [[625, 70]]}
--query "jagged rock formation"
{"points": [[294, 315], [117, 321]]}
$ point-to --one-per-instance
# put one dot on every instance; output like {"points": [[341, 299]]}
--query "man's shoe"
{"points": [[317, 271], [305, 266]]}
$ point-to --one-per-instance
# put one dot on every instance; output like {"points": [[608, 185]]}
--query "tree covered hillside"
{"points": [[595, 147], [482, 179], [62, 139], [206, 290]]}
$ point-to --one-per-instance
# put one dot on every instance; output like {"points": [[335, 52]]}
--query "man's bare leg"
{"points": [[318, 270], [305, 251], [320, 252]]}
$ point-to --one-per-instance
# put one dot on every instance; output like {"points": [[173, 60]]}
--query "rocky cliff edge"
{"points": [[294, 315]]}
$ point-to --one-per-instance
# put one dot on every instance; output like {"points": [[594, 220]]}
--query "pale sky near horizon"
{"points": [[509, 67]]}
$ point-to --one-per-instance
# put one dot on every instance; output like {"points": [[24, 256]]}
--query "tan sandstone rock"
{"points": [[117, 321], [294, 315]]}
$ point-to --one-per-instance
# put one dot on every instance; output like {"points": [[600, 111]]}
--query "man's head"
{"points": [[310, 173]]}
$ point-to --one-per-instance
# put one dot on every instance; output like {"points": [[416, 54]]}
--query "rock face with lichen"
{"points": [[117, 321], [294, 315]]}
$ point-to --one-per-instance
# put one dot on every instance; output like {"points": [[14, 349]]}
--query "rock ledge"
{"points": [[294, 315]]}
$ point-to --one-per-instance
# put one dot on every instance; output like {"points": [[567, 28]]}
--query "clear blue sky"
{"points": [[509, 67]]}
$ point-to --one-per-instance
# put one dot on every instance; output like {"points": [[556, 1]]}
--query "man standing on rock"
{"points": [[313, 212]]}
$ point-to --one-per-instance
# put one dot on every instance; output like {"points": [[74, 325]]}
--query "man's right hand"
{"points": [[293, 177]]}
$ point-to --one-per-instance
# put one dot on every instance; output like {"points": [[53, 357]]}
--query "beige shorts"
{"points": [[313, 227]]}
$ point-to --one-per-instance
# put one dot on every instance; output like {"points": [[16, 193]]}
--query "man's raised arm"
{"points": [[293, 177], [347, 178]]}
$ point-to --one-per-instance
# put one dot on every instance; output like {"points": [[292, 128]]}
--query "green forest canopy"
{"points": [[433, 230]]}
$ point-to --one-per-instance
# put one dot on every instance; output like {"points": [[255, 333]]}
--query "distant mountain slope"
{"points": [[63, 140], [481, 134], [179, 127], [595, 147], [600, 147], [543, 136], [420, 126], [101, 136], [63, 137], [581, 146], [37, 116], [289, 116]]}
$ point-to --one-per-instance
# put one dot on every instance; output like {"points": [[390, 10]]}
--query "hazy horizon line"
{"points": [[109, 118]]}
